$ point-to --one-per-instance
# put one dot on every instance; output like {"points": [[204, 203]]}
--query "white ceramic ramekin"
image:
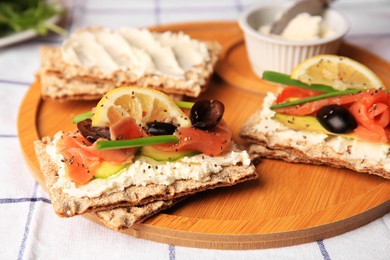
{"points": [[270, 52]]}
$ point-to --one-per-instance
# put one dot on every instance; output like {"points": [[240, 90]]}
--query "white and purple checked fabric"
{"points": [[29, 229]]}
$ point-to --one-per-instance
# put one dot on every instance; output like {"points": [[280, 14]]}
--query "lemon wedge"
{"points": [[337, 71], [144, 105]]}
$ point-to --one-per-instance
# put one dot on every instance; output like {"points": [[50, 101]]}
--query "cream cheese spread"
{"points": [[139, 50], [146, 171], [353, 150], [303, 27]]}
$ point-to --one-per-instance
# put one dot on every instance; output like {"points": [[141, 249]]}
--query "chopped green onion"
{"points": [[184, 104], [314, 98], [286, 80], [138, 142], [81, 117]]}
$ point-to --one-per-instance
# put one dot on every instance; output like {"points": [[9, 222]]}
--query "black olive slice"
{"points": [[206, 114], [160, 128], [336, 119]]}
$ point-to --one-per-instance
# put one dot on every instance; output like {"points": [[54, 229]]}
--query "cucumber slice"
{"points": [[107, 169], [158, 155], [306, 123]]}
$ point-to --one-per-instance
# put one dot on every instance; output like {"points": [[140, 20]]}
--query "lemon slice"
{"points": [[142, 104], [339, 72]]}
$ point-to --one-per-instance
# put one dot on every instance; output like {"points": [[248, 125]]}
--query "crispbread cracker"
{"points": [[265, 146], [62, 81], [125, 217], [67, 206]]}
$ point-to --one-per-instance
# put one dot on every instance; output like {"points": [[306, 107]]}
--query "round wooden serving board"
{"points": [[288, 204]]}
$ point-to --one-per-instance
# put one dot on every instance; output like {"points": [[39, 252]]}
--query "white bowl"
{"points": [[271, 52]]}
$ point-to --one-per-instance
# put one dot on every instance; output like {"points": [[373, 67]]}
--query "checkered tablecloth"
{"points": [[29, 229]]}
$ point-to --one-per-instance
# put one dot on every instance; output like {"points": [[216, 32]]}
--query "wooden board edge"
{"points": [[259, 241], [26, 135]]}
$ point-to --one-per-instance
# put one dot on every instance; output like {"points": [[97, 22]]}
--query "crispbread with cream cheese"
{"points": [[265, 144], [67, 206], [61, 80]]}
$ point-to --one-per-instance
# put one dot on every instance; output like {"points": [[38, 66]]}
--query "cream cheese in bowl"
{"points": [[305, 37], [303, 27]]}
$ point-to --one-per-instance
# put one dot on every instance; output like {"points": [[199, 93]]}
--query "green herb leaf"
{"points": [[314, 98], [21, 15], [138, 142], [286, 80]]}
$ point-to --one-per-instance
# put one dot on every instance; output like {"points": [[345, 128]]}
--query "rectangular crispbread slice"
{"points": [[62, 81], [67, 206], [265, 145], [125, 217]]}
